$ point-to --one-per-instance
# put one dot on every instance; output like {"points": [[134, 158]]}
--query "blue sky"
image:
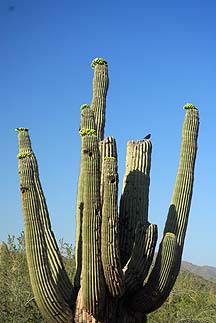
{"points": [[161, 55]]}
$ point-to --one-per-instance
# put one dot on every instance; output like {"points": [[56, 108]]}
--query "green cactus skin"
{"points": [[137, 267], [181, 199], [87, 121], [135, 192], [109, 196], [107, 150], [157, 288], [115, 282], [100, 88], [91, 276], [109, 232]]}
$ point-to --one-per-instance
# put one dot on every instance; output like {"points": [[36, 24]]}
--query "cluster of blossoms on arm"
{"points": [[22, 155], [98, 61], [189, 106], [21, 129], [84, 106], [87, 132], [109, 158]]}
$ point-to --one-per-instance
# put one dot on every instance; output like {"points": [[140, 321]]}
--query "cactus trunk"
{"points": [[114, 281]]}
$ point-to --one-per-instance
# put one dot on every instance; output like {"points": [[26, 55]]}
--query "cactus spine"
{"points": [[114, 250]]}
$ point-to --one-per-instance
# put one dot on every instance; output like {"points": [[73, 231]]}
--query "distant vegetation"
{"points": [[17, 303], [206, 272], [193, 299]]}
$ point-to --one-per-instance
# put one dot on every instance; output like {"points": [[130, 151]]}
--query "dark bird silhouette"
{"points": [[147, 136]]}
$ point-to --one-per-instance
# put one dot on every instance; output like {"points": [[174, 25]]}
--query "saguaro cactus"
{"points": [[115, 280]]}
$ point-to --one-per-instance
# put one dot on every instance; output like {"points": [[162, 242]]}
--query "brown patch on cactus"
{"points": [[87, 151], [24, 189]]}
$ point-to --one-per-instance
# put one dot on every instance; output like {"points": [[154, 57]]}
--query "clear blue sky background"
{"points": [[161, 54]]}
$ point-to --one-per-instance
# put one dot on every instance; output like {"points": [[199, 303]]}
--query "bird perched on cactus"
{"points": [[147, 136]]}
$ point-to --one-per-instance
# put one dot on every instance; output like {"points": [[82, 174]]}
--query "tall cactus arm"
{"points": [[169, 255], [92, 280], [155, 292], [135, 194], [109, 231], [100, 88], [177, 218], [51, 286], [87, 125], [138, 265]]}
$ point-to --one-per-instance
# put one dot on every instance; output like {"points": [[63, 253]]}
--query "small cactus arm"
{"points": [[115, 281]]}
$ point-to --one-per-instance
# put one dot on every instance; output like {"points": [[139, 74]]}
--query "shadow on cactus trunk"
{"points": [[115, 280], [79, 250]]}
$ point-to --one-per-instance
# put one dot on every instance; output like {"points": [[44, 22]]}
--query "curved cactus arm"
{"points": [[109, 231], [52, 289], [92, 280], [168, 260], [157, 288], [137, 267], [87, 125], [135, 194], [100, 88]]}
